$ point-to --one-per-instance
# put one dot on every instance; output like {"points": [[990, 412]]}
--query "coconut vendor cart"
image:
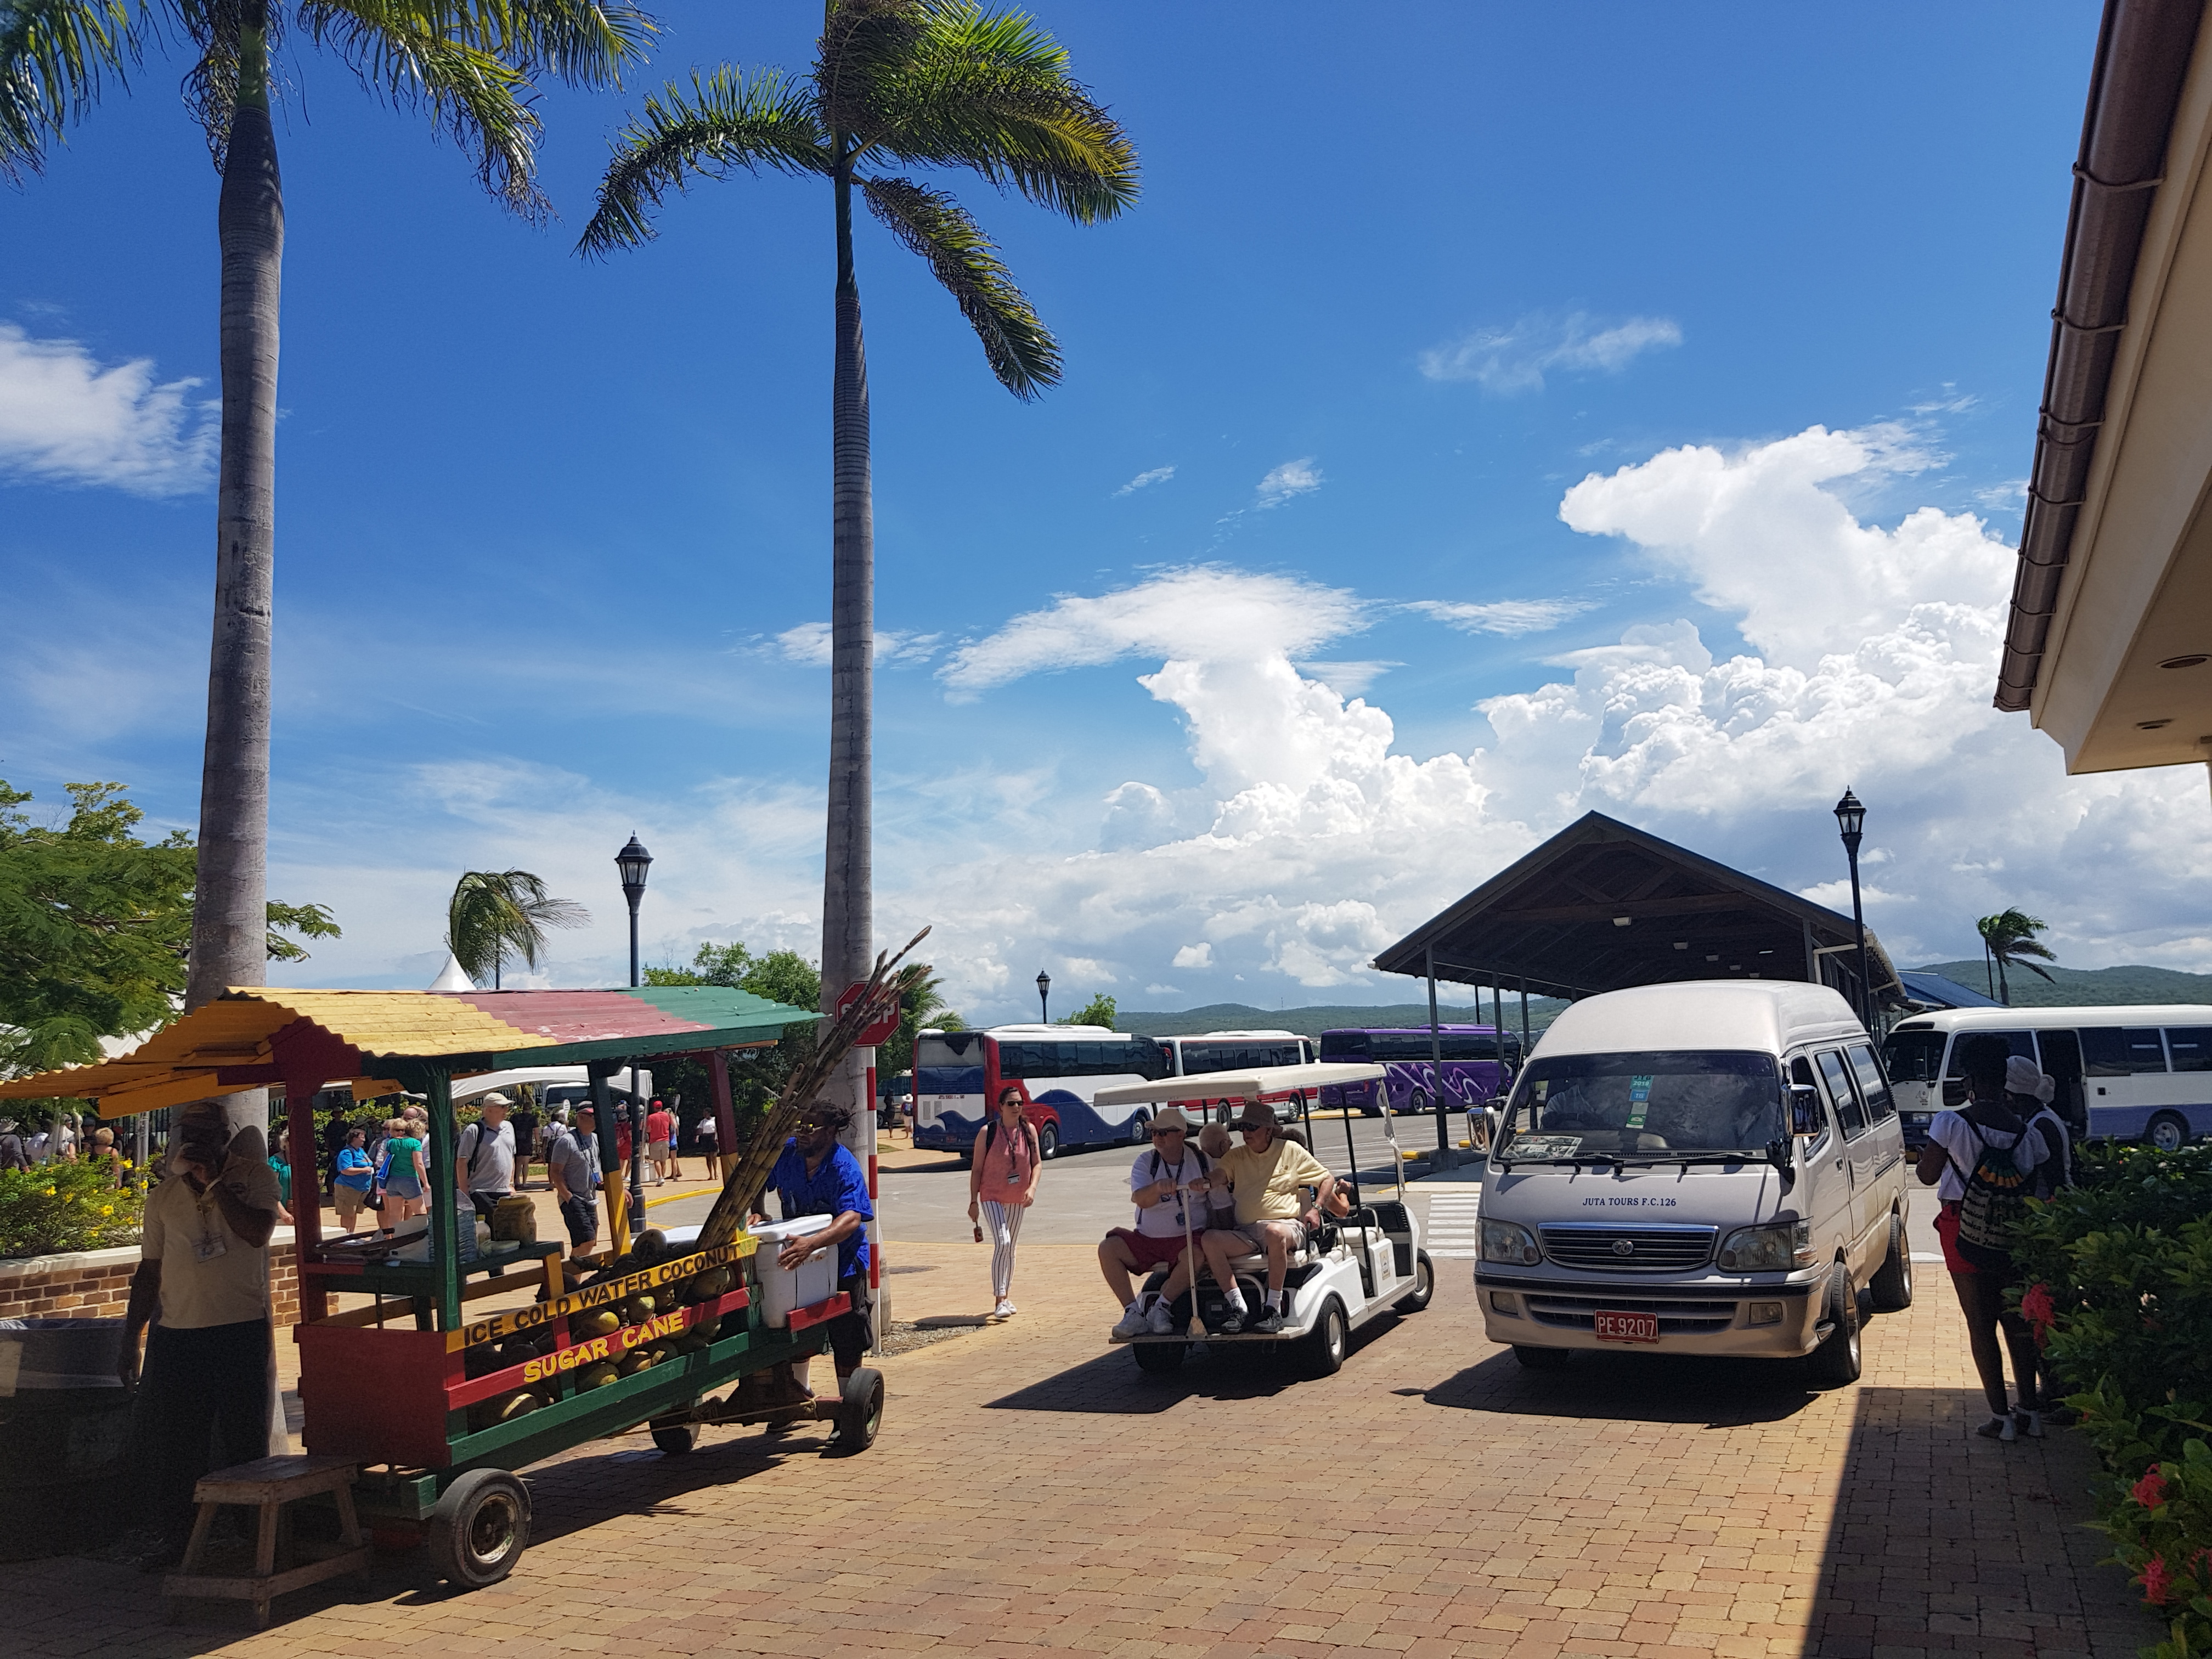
{"points": [[439, 1397]]}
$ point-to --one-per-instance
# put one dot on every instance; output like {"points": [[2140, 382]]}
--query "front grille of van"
{"points": [[1627, 1249]]}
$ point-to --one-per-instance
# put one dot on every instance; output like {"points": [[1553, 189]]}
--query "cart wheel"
{"points": [[1324, 1349], [862, 1413], [480, 1527], [676, 1439], [1425, 1285], [1158, 1359]]}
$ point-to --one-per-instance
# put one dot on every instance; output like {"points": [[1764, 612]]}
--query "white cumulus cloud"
{"points": [[65, 419], [1515, 358]]}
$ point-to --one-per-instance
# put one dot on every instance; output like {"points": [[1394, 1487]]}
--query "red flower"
{"points": [[2036, 1308], [2156, 1579], [2150, 1492]]}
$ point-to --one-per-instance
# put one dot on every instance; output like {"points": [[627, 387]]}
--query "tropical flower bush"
{"points": [[58, 1207], [2118, 1290]]}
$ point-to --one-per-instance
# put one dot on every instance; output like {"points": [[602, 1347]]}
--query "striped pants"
{"points": [[1002, 1225]]}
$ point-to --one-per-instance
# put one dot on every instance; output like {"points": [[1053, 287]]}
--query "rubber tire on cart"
{"points": [[1158, 1359], [1323, 1351], [676, 1439], [1891, 1287], [1425, 1285], [860, 1412], [1836, 1361], [480, 1528], [2168, 1133], [1048, 1141], [1543, 1359]]}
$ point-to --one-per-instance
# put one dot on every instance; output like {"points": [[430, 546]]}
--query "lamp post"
{"points": [[633, 861], [1850, 821], [1044, 996]]}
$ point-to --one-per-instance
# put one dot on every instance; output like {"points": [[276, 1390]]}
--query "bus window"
{"points": [[1915, 1056], [1344, 1045], [2018, 1041], [2121, 1051], [2191, 1047], [1872, 1086]]}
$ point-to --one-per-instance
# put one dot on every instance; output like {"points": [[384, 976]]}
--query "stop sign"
{"points": [[871, 1036]]}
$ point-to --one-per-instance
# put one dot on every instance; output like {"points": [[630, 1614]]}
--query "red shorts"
{"points": [[1946, 1229], [1151, 1252]]}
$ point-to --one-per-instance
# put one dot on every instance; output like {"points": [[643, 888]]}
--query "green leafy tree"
{"points": [[896, 84], [470, 65], [495, 912], [783, 976], [96, 927], [1099, 1010], [2010, 939]]}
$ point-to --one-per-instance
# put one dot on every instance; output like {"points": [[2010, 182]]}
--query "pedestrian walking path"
{"points": [[1032, 1492], [1454, 1232]]}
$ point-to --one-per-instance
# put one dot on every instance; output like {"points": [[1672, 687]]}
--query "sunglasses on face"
{"points": [[1255, 1128], [1157, 1133]]}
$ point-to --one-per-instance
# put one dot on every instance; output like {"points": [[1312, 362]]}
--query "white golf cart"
{"points": [[1357, 1266]]}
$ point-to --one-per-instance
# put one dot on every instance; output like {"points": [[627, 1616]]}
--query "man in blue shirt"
{"points": [[816, 1176]]}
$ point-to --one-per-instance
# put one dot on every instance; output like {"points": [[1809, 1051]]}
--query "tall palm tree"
{"points": [[895, 84], [470, 65], [2010, 938], [493, 911]]}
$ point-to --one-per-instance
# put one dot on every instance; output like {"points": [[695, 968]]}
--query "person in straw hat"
{"points": [[1167, 1184]]}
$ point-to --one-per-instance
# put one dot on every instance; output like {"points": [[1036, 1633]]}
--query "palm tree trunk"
{"points": [[2004, 984], [230, 916], [847, 886]]}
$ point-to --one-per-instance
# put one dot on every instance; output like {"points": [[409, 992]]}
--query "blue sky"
{"points": [[553, 534]]}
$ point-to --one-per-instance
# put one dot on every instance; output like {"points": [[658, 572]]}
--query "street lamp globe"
{"points": [[633, 861], [1044, 995], [1850, 819]]}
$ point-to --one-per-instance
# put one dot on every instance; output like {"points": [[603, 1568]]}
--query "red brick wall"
{"points": [[99, 1287]]}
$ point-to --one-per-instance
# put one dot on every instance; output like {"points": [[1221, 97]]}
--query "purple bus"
{"points": [[1472, 1072]]}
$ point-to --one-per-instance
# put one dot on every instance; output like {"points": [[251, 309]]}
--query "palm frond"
{"points": [[1021, 350], [494, 913], [728, 120], [54, 55], [415, 57], [585, 43], [993, 91], [863, 44]]}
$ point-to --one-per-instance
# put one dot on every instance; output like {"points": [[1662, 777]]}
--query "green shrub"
{"points": [[2118, 1276], [59, 1207]]}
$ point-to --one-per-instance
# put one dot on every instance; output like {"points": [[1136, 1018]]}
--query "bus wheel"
{"points": [[2168, 1133], [1418, 1102], [1048, 1141], [1157, 1358], [1140, 1130]]}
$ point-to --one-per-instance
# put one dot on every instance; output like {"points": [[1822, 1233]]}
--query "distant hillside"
{"points": [[2084, 986], [1313, 1021]]}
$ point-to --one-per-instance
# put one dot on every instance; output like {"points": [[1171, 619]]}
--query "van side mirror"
{"points": [[1954, 1092], [1804, 1109]]}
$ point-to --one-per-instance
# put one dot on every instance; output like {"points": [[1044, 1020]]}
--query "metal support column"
{"points": [[1446, 1156]]}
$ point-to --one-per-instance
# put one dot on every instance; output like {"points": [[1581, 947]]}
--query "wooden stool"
{"points": [[269, 1484]]}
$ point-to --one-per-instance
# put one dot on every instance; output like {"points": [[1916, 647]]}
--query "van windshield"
{"points": [[1655, 1102]]}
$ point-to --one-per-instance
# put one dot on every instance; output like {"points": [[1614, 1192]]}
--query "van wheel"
{"points": [[1543, 1359], [1049, 1141], [1836, 1361], [1425, 1285], [2168, 1133], [1891, 1287], [1158, 1359], [1325, 1348]]}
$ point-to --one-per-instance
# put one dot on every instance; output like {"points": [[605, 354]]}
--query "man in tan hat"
{"points": [[1266, 1174], [484, 1156], [1167, 1183]]}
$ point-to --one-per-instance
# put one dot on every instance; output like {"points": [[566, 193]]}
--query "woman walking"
{"points": [[406, 1178], [1982, 1161], [1002, 1180]]}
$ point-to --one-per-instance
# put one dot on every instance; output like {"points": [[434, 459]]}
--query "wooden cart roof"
{"points": [[238, 1042]]}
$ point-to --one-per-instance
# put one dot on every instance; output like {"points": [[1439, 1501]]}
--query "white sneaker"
{"points": [[1161, 1320], [1003, 1311], [1133, 1322]]}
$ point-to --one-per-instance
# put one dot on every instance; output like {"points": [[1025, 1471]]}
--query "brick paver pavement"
{"points": [[1030, 1490]]}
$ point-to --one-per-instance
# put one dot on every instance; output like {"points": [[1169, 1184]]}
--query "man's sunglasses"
{"points": [[1157, 1133], [1255, 1128]]}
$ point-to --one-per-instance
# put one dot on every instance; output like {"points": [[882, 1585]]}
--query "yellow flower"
{"points": [[107, 1209], [50, 1192]]}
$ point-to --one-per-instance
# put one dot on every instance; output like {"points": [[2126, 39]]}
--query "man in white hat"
{"points": [[1167, 1183], [484, 1156]]}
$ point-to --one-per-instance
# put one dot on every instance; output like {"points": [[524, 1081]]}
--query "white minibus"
{"points": [[2137, 1072]]}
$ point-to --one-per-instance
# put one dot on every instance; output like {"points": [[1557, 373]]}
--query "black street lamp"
{"points": [[1044, 994], [1850, 821], [633, 861]]}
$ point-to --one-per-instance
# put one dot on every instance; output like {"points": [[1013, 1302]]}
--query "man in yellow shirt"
{"points": [[1266, 1174]]}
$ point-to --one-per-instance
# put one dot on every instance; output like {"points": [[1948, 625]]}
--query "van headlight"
{"points": [[1510, 1241], [1773, 1249]]}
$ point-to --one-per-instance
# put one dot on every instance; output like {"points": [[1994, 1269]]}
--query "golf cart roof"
{"points": [[1255, 1082]]}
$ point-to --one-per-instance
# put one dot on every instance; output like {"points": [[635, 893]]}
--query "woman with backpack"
{"points": [[1982, 1162], [1002, 1178]]}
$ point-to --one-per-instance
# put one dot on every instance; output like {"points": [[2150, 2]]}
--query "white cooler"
{"points": [[814, 1280]]}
